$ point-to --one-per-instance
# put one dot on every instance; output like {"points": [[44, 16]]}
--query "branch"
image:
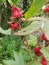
{"points": [[36, 19]]}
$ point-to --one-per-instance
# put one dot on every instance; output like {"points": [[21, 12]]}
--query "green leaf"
{"points": [[13, 2], [19, 59], [0, 64], [4, 1], [35, 8], [9, 62], [7, 32], [16, 1], [31, 28], [47, 29], [33, 40], [33, 63], [45, 52]]}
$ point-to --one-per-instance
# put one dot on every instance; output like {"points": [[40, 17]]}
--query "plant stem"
{"points": [[28, 49]]}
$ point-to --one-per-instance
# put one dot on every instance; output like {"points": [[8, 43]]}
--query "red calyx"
{"points": [[46, 10], [44, 37], [37, 51], [44, 61], [14, 26], [16, 12]]}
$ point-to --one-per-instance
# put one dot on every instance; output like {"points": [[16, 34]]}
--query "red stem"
{"points": [[27, 44]]}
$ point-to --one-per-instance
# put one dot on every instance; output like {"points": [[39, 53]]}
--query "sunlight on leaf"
{"points": [[35, 8]]}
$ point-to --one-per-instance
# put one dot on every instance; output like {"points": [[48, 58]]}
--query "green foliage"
{"points": [[11, 47], [9, 62], [13, 2], [1, 7], [8, 44], [26, 55], [4, 1], [1, 53], [35, 8]]}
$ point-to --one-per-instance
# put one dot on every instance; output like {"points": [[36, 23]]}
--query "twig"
{"points": [[29, 50]]}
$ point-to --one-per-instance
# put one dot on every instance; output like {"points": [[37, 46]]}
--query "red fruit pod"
{"points": [[37, 51], [16, 12], [14, 26], [44, 61], [46, 10], [44, 37]]}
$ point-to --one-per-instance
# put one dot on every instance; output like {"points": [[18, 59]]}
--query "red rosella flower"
{"points": [[46, 10], [16, 12], [14, 26], [44, 61], [37, 51], [44, 37]]}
